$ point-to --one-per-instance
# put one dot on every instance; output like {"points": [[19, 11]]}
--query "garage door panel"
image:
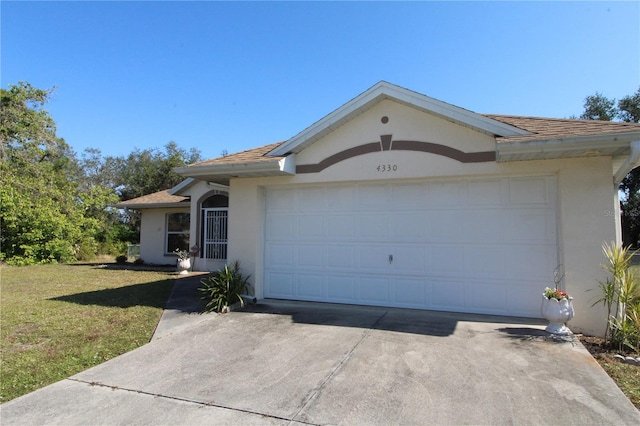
{"points": [[410, 226], [279, 284], [408, 196], [310, 286], [447, 260], [524, 298], [280, 255], [374, 290], [490, 297], [408, 259], [310, 256], [448, 295], [280, 227], [374, 258], [484, 261], [373, 227], [531, 225], [280, 200], [372, 197], [483, 225], [310, 199], [485, 193], [447, 226], [341, 288], [340, 198], [310, 227], [529, 190], [341, 257], [469, 245], [446, 194], [530, 262], [341, 227], [411, 293]]}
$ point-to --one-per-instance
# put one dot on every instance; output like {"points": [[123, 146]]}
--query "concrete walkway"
{"points": [[184, 307], [283, 363]]}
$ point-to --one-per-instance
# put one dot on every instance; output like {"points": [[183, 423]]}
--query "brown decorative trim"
{"points": [[445, 151], [340, 156], [387, 144]]}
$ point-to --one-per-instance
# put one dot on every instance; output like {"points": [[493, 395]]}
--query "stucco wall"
{"points": [[198, 192], [586, 195], [153, 235]]}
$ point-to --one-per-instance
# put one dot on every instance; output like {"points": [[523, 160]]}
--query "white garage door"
{"points": [[485, 246]]}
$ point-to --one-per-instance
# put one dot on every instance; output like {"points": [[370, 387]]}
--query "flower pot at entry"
{"points": [[184, 265], [557, 312]]}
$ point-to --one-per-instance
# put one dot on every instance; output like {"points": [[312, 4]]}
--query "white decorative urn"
{"points": [[557, 312], [184, 265]]}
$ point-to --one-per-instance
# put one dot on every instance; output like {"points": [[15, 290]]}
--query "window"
{"points": [[177, 232]]}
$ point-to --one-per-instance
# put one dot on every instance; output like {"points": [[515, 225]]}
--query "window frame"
{"points": [[167, 232]]}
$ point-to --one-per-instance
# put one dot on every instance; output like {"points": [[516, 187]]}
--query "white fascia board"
{"points": [[177, 205], [267, 167], [176, 190], [384, 90], [578, 143]]}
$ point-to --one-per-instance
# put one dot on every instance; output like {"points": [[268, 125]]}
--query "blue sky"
{"points": [[236, 75]]}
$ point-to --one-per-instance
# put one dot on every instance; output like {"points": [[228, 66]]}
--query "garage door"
{"points": [[484, 246]]}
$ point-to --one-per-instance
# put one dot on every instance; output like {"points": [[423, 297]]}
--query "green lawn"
{"points": [[57, 320]]}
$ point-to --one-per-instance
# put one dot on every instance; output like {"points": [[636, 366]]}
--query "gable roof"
{"points": [[384, 90], [517, 138]]}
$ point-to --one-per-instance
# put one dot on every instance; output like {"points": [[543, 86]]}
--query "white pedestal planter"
{"points": [[557, 312], [184, 265]]}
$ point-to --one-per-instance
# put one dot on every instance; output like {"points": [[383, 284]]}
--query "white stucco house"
{"points": [[397, 199]]}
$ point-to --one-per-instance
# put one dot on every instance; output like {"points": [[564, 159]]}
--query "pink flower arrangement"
{"points": [[555, 293]]}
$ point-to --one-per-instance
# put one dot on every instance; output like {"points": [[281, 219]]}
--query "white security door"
{"points": [[484, 246]]}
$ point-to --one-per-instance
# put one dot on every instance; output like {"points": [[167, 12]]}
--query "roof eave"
{"points": [[177, 204], [575, 146], [223, 173]]}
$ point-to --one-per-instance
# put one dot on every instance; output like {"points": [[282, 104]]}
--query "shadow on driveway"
{"points": [[432, 323]]}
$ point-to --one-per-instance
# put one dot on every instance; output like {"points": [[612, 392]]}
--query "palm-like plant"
{"points": [[620, 294], [224, 288]]}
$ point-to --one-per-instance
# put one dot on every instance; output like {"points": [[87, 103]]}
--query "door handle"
{"points": [[390, 259]]}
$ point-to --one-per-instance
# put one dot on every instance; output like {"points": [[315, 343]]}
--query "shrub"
{"points": [[620, 294], [224, 288], [138, 261], [121, 259]]}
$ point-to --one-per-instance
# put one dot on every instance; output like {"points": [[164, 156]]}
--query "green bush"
{"points": [[224, 288]]}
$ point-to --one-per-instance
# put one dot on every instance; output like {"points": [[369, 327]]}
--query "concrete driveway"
{"points": [[306, 363]]}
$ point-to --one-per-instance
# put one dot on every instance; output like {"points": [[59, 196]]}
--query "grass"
{"points": [[626, 376], [58, 320]]}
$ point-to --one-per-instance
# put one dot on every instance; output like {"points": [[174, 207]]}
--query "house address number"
{"points": [[387, 168]]}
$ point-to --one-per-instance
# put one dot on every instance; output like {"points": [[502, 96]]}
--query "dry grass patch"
{"points": [[58, 320]]}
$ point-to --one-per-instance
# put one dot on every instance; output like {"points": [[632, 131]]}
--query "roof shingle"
{"points": [[160, 197], [555, 128]]}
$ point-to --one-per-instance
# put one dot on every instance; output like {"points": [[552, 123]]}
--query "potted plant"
{"points": [[557, 307], [184, 261]]}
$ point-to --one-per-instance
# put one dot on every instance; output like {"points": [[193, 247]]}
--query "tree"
{"points": [[46, 214], [147, 171], [598, 107]]}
